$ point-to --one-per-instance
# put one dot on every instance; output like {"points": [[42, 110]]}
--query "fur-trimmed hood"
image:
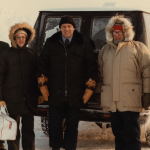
{"points": [[127, 27], [30, 31]]}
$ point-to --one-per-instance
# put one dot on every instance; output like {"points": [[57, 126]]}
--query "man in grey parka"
{"points": [[125, 69]]}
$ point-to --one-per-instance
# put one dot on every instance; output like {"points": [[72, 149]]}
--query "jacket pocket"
{"points": [[132, 95], [105, 96]]}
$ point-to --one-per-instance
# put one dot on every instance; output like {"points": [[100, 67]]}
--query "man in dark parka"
{"points": [[3, 46], [68, 61], [18, 84]]}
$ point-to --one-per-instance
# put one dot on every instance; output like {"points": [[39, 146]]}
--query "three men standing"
{"points": [[125, 69], [68, 61]]}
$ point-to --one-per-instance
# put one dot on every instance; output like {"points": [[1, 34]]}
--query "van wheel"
{"points": [[148, 137], [44, 125]]}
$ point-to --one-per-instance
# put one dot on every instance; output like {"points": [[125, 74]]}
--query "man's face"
{"points": [[20, 39], [67, 30], [118, 35]]}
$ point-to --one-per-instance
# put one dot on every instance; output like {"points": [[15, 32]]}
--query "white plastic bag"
{"points": [[8, 126]]}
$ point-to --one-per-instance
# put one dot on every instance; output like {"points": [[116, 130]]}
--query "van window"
{"points": [[52, 26], [98, 34], [147, 23]]}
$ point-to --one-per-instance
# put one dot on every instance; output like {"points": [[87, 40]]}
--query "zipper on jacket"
{"points": [[65, 68]]}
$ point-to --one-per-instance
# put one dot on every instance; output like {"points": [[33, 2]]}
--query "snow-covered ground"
{"points": [[90, 137]]}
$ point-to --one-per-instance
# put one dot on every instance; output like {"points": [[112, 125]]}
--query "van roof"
{"points": [[97, 9]]}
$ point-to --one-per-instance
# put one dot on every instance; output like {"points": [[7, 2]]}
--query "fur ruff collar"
{"points": [[77, 37], [127, 27], [27, 27]]}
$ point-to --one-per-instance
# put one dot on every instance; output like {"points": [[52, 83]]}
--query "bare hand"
{"points": [[88, 93], [45, 92], [2, 103], [40, 99]]}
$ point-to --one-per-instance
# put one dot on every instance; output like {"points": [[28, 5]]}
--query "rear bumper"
{"points": [[93, 115]]}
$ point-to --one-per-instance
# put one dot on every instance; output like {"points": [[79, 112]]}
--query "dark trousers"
{"points": [[28, 136], [56, 115], [126, 129]]}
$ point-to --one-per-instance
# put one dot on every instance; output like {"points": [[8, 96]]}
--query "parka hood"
{"points": [[30, 31], [127, 28]]}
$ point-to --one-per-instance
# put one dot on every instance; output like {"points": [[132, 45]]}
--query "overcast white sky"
{"points": [[14, 11]]}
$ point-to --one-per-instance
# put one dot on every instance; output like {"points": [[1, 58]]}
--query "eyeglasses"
{"points": [[20, 37], [119, 33]]}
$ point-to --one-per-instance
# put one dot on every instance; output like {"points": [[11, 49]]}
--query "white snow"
{"points": [[90, 137]]}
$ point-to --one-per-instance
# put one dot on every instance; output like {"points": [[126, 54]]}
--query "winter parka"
{"points": [[18, 84], [67, 68], [125, 70]]}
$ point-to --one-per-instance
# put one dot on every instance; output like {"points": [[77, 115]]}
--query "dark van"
{"points": [[91, 23]]}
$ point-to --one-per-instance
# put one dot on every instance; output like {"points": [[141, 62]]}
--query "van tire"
{"points": [[44, 125]]}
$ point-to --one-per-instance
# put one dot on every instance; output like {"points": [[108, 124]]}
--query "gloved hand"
{"points": [[45, 92], [87, 94], [91, 83], [146, 101], [42, 80], [2, 103], [40, 99]]}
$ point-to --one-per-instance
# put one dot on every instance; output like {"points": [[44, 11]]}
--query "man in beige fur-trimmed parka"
{"points": [[125, 70], [18, 83]]}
